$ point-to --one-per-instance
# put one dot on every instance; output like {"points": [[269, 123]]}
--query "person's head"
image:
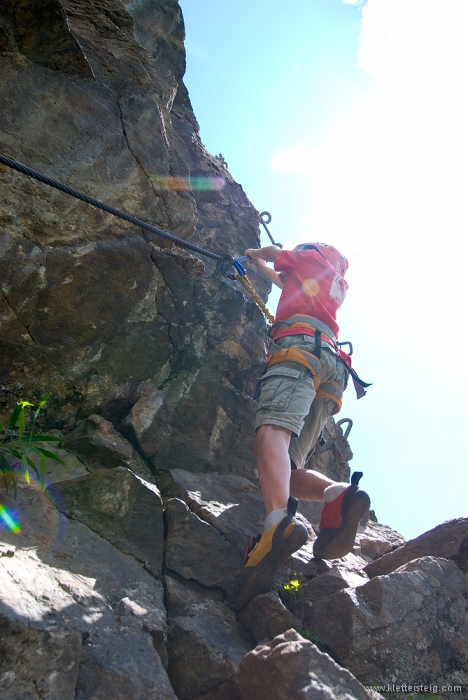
{"points": [[331, 255]]}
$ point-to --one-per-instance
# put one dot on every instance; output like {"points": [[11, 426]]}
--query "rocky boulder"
{"points": [[266, 617], [196, 550], [92, 95], [119, 506], [409, 626], [96, 442], [79, 618], [231, 504], [448, 540], [206, 644], [378, 539], [290, 668]]}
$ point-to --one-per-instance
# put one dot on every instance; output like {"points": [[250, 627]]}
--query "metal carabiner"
{"points": [[340, 345], [348, 429]]}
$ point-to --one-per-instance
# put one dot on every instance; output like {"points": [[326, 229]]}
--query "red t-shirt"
{"points": [[312, 287]]}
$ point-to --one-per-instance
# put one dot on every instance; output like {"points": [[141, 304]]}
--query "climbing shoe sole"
{"points": [[334, 543]]}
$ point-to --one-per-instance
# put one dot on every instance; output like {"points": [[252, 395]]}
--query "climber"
{"points": [[301, 387]]}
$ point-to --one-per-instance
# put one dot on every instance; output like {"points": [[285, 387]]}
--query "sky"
{"points": [[347, 121]]}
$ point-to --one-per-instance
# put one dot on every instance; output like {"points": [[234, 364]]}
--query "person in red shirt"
{"points": [[301, 387]]}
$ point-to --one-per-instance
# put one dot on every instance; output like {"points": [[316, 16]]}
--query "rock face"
{"points": [[114, 503], [290, 667], [92, 95], [407, 627], [448, 540], [115, 581], [79, 618]]}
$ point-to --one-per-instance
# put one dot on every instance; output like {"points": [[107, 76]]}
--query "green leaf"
{"points": [[18, 416], [50, 455], [42, 469], [14, 415], [13, 451], [43, 401], [4, 466], [33, 466], [21, 420], [1, 427], [44, 438], [24, 462]]}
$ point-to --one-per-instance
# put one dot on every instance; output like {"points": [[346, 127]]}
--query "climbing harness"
{"points": [[311, 360], [225, 262]]}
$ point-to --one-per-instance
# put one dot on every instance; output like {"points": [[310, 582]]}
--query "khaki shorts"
{"points": [[288, 398]]}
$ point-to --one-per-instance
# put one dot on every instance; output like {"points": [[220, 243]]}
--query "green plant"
{"points": [[310, 634], [18, 445]]}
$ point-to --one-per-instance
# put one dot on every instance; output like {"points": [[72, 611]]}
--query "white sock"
{"points": [[274, 517], [333, 491]]}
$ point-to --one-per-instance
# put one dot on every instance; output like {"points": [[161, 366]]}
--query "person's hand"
{"points": [[250, 252]]}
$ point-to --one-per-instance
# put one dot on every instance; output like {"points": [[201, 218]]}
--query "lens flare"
{"points": [[9, 520], [310, 287], [187, 184]]}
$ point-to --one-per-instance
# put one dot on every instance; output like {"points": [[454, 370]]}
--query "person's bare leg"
{"points": [[274, 466], [308, 485]]}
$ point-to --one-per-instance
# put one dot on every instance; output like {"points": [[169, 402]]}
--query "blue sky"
{"points": [[348, 122]]}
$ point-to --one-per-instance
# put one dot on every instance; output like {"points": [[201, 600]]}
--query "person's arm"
{"points": [[272, 275], [269, 253]]}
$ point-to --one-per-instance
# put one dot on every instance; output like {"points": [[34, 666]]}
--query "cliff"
{"points": [[118, 584]]}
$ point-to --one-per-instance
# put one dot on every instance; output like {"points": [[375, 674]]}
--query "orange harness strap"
{"points": [[294, 354], [325, 390], [301, 357], [331, 390]]}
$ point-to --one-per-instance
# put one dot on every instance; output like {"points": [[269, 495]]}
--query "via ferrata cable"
{"points": [[225, 261]]}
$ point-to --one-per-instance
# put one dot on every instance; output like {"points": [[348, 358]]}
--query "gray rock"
{"points": [[139, 411], [378, 539], [196, 550], [148, 422], [446, 540], [265, 617], [231, 504], [324, 585], [205, 644], [92, 95], [308, 593], [99, 445], [290, 668], [37, 663], [122, 508], [407, 627], [66, 580], [303, 566]]}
